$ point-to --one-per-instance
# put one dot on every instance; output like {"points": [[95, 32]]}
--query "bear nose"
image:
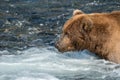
{"points": [[57, 45]]}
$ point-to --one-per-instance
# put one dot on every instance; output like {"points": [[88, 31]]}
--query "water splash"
{"points": [[48, 64]]}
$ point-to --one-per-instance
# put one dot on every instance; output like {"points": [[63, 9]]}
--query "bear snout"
{"points": [[57, 45]]}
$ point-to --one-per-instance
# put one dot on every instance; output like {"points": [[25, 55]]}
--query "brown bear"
{"points": [[97, 32]]}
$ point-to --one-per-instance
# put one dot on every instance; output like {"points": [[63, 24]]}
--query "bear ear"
{"points": [[86, 24], [77, 11]]}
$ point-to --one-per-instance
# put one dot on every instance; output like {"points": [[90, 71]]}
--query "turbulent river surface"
{"points": [[28, 30]]}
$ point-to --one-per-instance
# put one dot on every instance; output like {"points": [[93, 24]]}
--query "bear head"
{"points": [[75, 33]]}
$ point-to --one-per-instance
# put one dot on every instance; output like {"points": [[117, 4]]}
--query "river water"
{"points": [[28, 30]]}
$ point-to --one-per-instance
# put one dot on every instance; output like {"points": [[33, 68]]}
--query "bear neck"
{"points": [[99, 37]]}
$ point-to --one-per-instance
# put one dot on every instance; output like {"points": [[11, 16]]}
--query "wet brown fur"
{"points": [[97, 32]]}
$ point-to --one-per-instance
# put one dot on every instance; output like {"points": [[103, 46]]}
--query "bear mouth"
{"points": [[62, 50]]}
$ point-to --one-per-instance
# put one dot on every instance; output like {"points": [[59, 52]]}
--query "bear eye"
{"points": [[66, 33]]}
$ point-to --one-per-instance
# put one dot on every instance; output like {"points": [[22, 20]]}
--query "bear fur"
{"points": [[97, 32]]}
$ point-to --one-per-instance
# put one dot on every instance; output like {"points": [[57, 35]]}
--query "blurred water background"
{"points": [[28, 30]]}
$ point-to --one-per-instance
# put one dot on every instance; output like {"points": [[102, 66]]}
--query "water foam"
{"points": [[48, 64]]}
